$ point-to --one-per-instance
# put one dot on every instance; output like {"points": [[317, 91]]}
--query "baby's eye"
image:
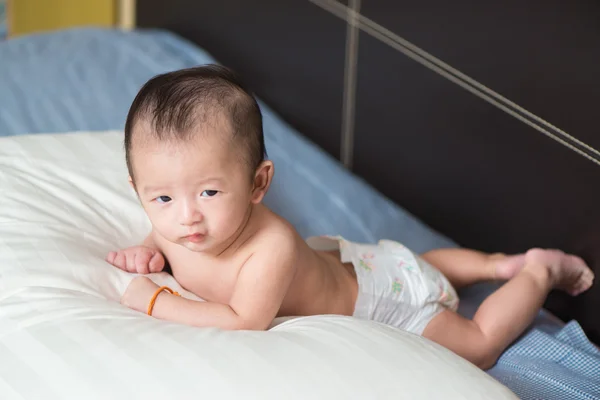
{"points": [[209, 193], [163, 199]]}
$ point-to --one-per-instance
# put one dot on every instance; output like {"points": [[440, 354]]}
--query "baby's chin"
{"points": [[202, 247]]}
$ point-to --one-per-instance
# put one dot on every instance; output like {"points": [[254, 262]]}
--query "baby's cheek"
{"points": [[226, 223], [163, 224], [231, 221]]}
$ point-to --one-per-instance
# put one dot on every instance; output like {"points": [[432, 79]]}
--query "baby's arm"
{"points": [[260, 289], [143, 259]]}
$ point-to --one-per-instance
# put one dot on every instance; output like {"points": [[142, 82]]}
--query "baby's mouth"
{"points": [[195, 238]]}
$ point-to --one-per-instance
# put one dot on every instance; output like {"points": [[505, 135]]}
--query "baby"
{"points": [[196, 158]]}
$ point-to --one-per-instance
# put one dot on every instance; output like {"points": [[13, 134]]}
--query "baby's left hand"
{"points": [[138, 294]]}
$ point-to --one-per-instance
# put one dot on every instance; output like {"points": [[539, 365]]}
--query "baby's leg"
{"points": [[506, 313], [464, 267]]}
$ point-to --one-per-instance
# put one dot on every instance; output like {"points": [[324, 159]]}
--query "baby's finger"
{"points": [[110, 257], [141, 262], [130, 260], [157, 262], [119, 260]]}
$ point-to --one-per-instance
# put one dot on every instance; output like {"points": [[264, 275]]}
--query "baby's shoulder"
{"points": [[274, 232]]}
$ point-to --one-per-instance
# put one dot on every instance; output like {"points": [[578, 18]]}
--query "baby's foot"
{"points": [[568, 272], [506, 267]]}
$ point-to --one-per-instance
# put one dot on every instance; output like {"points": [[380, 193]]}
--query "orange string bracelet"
{"points": [[155, 296]]}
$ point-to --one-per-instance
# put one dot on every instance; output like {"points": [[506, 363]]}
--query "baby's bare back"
{"points": [[321, 283]]}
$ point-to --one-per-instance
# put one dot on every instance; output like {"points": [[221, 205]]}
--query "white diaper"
{"points": [[395, 285]]}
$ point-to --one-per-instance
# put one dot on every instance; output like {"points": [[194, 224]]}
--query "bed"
{"points": [[64, 97]]}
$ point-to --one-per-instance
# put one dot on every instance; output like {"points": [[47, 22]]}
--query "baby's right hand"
{"points": [[137, 259]]}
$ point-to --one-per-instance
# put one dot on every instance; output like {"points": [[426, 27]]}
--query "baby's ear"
{"points": [[132, 184], [262, 181]]}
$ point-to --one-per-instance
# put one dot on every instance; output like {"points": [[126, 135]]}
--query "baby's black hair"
{"points": [[177, 102]]}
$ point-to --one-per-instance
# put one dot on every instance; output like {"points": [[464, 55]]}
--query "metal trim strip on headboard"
{"points": [[349, 97], [355, 19]]}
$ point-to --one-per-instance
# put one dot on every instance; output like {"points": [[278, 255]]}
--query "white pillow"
{"points": [[65, 202]]}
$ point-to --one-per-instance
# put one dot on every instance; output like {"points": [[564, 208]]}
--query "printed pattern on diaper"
{"points": [[445, 296], [397, 285], [403, 264], [366, 265], [366, 261], [368, 255]]}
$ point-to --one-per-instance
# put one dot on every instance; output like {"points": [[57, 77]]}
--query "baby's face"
{"points": [[197, 193]]}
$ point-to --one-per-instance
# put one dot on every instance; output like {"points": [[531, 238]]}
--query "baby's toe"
{"points": [[587, 277], [583, 284], [590, 274], [589, 281]]}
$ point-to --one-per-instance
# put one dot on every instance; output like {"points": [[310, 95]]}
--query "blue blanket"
{"points": [[544, 365]]}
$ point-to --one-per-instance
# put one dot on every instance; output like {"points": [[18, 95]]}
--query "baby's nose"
{"points": [[190, 215]]}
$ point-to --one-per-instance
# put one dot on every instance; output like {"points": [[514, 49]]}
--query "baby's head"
{"points": [[196, 156]]}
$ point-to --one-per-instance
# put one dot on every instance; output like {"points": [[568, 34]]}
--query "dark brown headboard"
{"points": [[465, 167]]}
